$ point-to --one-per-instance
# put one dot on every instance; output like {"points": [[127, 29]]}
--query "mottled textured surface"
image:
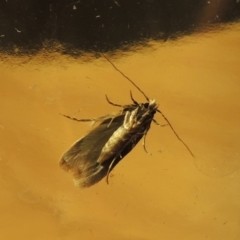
{"points": [[168, 195]]}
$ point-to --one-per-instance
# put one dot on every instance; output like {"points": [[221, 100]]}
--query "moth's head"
{"points": [[153, 105], [149, 106]]}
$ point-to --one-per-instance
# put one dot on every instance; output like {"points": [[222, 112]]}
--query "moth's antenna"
{"points": [[148, 101], [176, 133], [126, 77]]}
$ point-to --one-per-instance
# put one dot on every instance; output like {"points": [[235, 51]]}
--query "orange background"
{"points": [[168, 195]]}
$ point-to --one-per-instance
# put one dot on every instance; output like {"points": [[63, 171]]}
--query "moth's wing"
{"points": [[95, 172], [82, 157], [87, 149]]}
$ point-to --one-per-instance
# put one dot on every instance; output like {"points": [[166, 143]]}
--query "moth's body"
{"points": [[95, 155], [136, 123]]}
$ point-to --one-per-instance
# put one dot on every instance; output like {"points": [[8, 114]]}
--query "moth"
{"points": [[95, 155]]}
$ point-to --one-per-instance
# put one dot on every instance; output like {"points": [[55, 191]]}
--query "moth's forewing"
{"points": [[88, 148], [82, 157]]}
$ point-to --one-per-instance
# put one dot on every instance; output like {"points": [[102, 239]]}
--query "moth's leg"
{"points": [[124, 107], [144, 141], [122, 111], [155, 122], [114, 104], [144, 144], [134, 101], [109, 169], [79, 120], [161, 125], [110, 122], [93, 120], [113, 118], [145, 134]]}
